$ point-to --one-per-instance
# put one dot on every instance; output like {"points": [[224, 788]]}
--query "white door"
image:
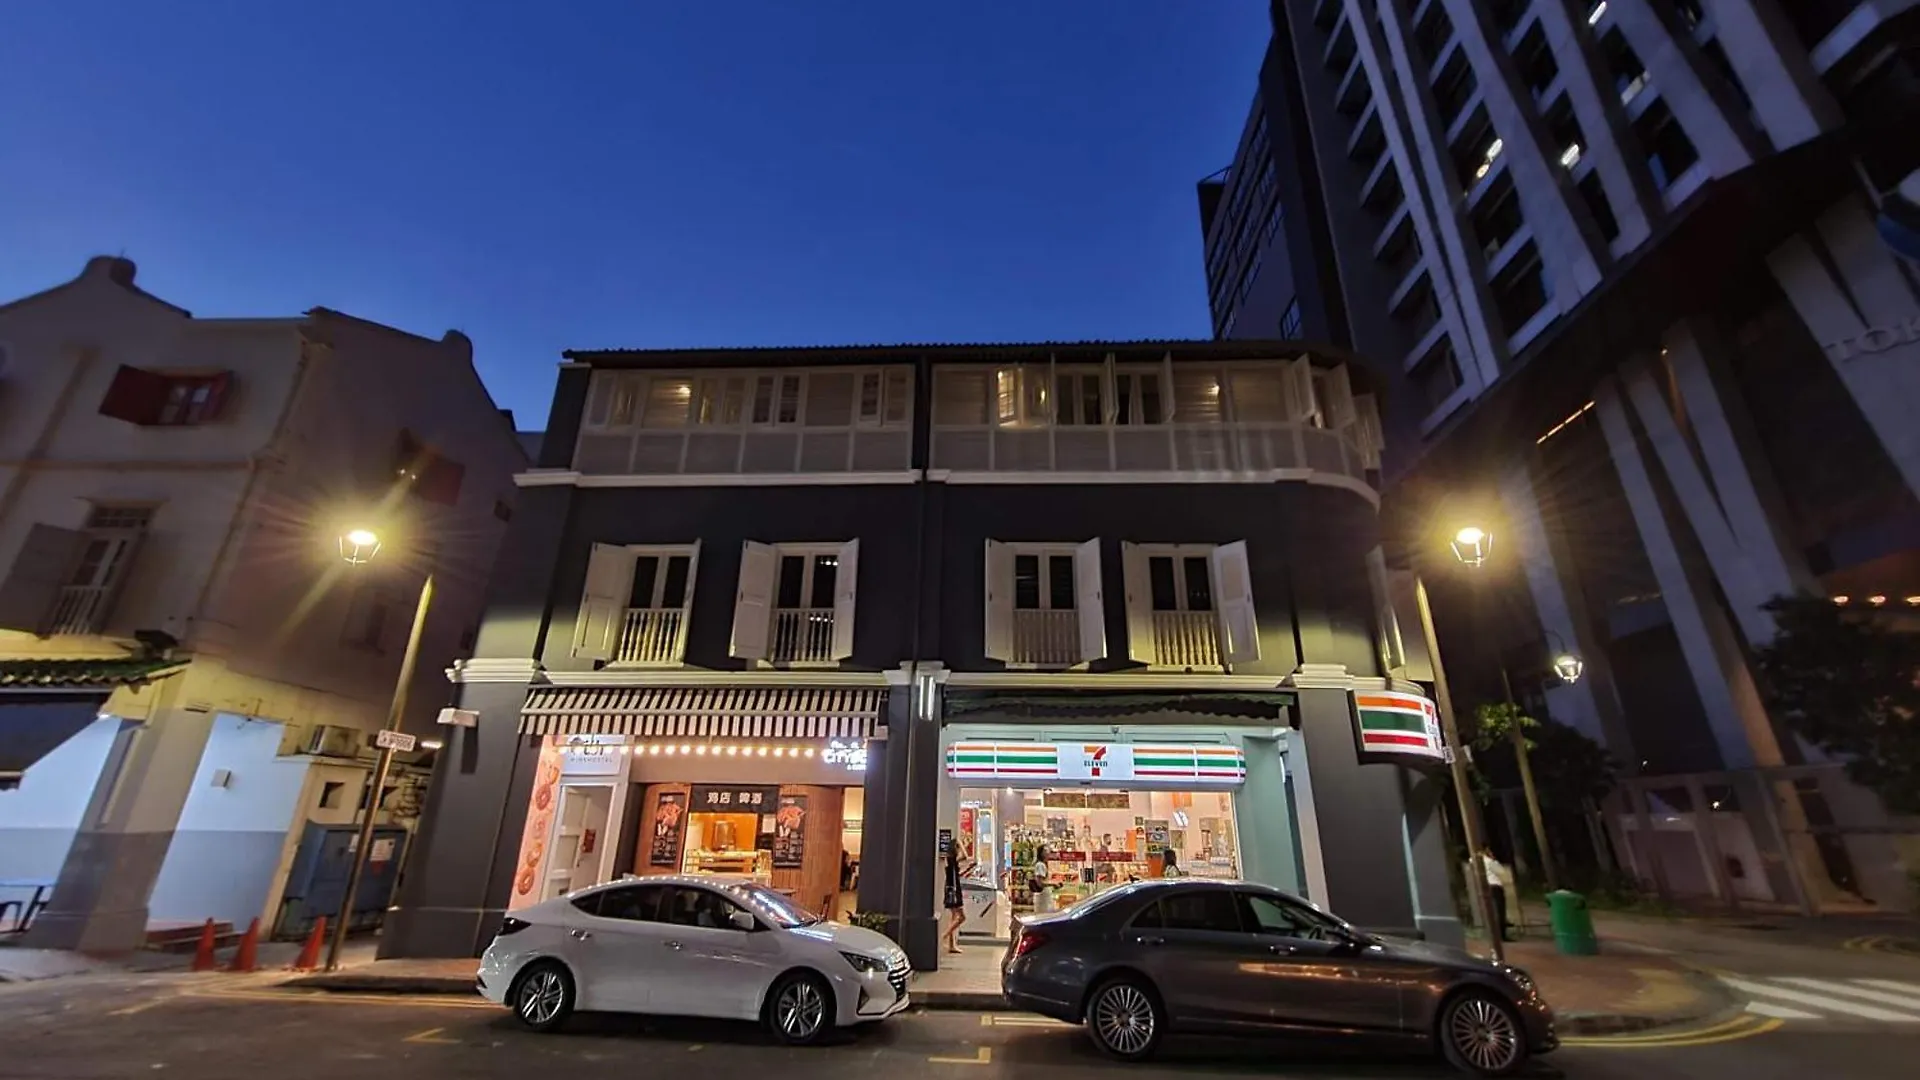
{"points": [[580, 838], [617, 948], [714, 968]]}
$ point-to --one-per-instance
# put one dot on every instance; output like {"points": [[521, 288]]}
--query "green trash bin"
{"points": [[1572, 923]]}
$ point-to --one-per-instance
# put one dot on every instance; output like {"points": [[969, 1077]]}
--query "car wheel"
{"points": [[542, 995], [1481, 1034], [1125, 1019], [799, 1009]]}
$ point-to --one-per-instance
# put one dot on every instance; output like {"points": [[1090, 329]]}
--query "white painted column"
{"points": [[1734, 713], [1789, 99], [1850, 292]]}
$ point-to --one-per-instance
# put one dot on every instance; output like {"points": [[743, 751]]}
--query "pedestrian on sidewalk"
{"points": [[1500, 887], [956, 902]]}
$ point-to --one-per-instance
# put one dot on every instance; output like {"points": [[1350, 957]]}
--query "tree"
{"points": [[1845, 681], [1569, 769]]}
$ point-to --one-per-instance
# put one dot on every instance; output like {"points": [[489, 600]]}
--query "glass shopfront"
{"points": [[1097, 808]]}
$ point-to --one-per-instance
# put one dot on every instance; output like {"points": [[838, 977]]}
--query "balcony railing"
{"points": [[1186, 639], [652, 636], [79, 610], [1046, 638], [803, 635]]}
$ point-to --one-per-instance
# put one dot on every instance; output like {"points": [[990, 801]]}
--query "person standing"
{"points": [[956, 904], [1042, 884]]}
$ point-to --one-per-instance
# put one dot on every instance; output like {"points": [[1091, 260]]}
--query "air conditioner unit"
{"points": [[333, 740]]}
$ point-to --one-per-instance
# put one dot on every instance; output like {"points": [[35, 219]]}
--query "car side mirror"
{"points": [[743, 920]]}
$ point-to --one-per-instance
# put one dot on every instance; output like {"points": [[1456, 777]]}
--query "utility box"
{"points": [[318, 879]]}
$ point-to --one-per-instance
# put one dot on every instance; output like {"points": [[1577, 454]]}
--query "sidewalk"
{"points": [[32, 965], [1616, 991]]}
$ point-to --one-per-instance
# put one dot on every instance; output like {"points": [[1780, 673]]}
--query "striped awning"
{"points": [[708, 712]]}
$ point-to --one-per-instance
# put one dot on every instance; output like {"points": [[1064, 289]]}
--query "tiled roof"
{"points": [[1219, 349], [103, 673]]}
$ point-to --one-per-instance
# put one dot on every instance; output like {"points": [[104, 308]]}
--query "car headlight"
{"points": [[1519, 978], [863, 964]]}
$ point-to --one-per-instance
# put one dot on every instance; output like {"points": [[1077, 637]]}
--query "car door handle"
{"points": [[672, 944], [1282, 950], [1152, 941], [580, 935]]}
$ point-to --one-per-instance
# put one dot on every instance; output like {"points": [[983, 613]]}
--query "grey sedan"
{"points": [[1231, 957]]}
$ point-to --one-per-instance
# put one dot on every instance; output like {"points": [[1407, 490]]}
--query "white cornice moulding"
{"points": [[1327, 677], [494, 670], [1261, 476]]}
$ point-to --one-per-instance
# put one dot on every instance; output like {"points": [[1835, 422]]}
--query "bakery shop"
{"points": [[775, 798]]}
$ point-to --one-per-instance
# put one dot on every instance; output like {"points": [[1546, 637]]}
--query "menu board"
{"points": [[669, 825], [734, 798], [789, 833]]}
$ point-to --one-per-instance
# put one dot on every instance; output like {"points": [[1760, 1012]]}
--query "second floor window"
{"points": [[66, 581], [1189, 605], [636, 604], [165, 399], [1044, 605], [795, 603]]}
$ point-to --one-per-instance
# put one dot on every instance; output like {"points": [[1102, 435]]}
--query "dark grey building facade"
{"points": [[1622, 264], [1122, 601]]}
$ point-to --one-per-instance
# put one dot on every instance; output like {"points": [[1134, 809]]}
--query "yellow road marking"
{"points": [[983, 1057], [991, 1020], [431, 1035], [1744, 1026], [140, 1008]]}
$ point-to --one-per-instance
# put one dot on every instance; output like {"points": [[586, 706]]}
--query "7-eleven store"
{"points": [[1209, 785]]}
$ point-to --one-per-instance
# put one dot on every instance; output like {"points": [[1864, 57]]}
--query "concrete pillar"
{"points": [[100, 899], [1592, 705], [1849, 290], [1773, 67], [1362, 821], [1739, 723], [460, 871], [1671, 71], [899, 864], [1630, 192]]}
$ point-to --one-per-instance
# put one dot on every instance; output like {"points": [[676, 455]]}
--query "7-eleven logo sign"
{"points": [[1096, 761]]}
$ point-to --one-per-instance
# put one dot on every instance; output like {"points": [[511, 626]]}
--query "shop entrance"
{"points": [[1091, 839], [580, 830]]}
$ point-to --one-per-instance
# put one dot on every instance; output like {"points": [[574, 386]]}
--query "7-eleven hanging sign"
{"points": [[1396, 723]]}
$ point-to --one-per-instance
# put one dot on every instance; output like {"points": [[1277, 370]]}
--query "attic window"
{"points": [[160, 399]]}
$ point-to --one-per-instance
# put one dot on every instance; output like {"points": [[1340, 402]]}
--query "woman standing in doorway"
{"points": [[955, 902]]}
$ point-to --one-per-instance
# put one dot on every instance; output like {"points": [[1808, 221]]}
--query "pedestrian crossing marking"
{"points": [[1826, 1002], [1889, 984], [1882, 997], [1780, 1012]]}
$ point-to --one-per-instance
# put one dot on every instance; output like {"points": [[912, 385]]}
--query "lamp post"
{"points": [[1443, 700], [356, 547]]}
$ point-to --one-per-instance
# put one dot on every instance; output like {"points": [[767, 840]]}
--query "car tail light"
{"points": [[1029, 941], [512, 925]]}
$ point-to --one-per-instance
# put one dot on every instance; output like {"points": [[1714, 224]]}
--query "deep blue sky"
{"points": [[634, 173]]}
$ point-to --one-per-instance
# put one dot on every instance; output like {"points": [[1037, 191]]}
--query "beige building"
{"points": [[188, 667]]}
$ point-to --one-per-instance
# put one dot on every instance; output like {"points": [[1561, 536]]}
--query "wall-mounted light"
{"points": [[1471, 545], [1569, 667]]}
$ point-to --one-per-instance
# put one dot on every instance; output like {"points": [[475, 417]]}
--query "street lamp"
{"points": [[1467, 541], [358, 546]]}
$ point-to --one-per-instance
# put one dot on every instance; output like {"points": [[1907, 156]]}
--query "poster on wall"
{"points": [[965, 841], [669, 825], [789, 833], [533, 840]]}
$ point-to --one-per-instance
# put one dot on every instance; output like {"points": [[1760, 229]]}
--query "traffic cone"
{"points": [[309, 957], [203, 956], [246, 958]]}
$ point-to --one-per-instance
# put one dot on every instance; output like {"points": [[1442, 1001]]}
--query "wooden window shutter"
{"points": [[135, 395], [31, 588]]}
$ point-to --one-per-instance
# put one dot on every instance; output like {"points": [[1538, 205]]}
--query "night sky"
{"points": [[631, 174]]}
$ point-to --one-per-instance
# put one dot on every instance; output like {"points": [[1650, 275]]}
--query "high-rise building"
{"points": [[1634, 269]]}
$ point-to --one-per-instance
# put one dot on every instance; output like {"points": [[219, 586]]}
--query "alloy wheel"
{"points": [[541, 997], [1484, 1035], [1124, 1018], [800, 1009]]}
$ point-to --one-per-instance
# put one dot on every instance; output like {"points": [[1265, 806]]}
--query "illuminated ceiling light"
{"points": [[732, 750], [654, 749], [809, 751], [1876, 600], [1471, 545], [1494, 148], [1842, 599], [685, 749], [1599, 11], [359, 545], [780, 751], [700, 750], [1570, 156]]}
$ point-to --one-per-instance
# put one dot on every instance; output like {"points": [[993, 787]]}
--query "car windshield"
{"points": [[778, 908]]}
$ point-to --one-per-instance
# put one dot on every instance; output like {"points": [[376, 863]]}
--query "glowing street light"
{"points": [[1472, 545], [1569, 667], [359, 546]]}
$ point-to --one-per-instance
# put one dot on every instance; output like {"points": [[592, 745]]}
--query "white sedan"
{"points": [[687, 946]]}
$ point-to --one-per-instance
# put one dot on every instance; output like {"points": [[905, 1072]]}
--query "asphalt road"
{"points": [[215, 1027]]}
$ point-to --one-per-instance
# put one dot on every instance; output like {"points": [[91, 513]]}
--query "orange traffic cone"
{"points": [[246, 958], [203, 955], [309, 957]]}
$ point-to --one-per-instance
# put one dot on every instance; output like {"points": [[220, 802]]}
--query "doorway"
{"points": [[579, 839]]}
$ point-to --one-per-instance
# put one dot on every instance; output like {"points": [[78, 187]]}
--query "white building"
{"points": [[187, 665]]}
